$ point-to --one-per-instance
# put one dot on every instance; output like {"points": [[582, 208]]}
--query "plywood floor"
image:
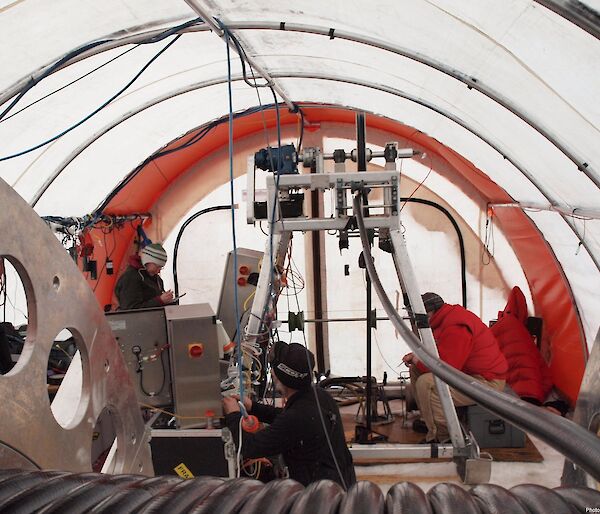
{"points": [[400, 432]]}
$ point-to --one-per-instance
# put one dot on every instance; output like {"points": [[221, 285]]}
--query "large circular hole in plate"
{"points": [[65, 374], [15, 287], [104, 436]]}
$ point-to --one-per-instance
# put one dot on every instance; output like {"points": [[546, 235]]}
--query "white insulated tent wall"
{"points": [[511, 86]]}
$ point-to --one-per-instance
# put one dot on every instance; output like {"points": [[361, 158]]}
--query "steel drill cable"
{"points": [[568, 438]]}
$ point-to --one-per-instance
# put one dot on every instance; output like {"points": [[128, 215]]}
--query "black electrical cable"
{"points": [[575, 442], [461, 242], [243, 56], [198, 137], [180, 234], [63, 60], [301, 112], [141, 375], [89, 46], [164, 377], [316, 396], [164, 371], [81, 77], [96, 111]]}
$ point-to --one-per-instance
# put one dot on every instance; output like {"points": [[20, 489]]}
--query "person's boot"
{"points": [[419, 426]]}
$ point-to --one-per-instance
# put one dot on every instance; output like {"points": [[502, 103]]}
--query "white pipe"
{"points": [[582, 212], [472, 83], [208, 18]]}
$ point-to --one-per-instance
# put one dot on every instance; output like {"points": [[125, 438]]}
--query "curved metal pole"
{"points": [[217, 28], [504, 152], [577, 13], [221, 80], [471, 82], [180, 234], [573, 441], [133, 37], [116, 122]]}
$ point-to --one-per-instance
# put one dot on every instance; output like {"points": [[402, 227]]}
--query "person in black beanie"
{"points": [[297, 431]]}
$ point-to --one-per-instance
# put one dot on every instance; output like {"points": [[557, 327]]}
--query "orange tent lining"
{"points": [[549, 287]]}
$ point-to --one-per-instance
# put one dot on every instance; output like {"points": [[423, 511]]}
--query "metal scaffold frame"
{"points": [[384, 217]]}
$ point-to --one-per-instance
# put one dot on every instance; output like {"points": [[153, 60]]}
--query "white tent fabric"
{"points": [[511, 86]]}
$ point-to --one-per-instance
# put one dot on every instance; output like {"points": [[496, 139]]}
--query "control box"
{"points": [[246, 276], [172, 354], [142, 337], [490, 431], [195, 370], [192, 453]]}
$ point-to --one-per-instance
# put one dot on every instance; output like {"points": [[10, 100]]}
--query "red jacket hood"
{"points": [[135, 261], [516, 305], [447, 311]]}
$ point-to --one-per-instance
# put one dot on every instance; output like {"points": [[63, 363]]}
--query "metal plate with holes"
{"points": [[59, 298]]}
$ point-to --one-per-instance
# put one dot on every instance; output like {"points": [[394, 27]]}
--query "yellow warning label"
{"points": [[183, 471]]}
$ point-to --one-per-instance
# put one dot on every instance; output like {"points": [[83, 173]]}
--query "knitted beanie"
{"points": [[154, 253], [432, 301], [293, 364]]}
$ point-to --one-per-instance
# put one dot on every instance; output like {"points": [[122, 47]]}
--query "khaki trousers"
{"points": [[428, 401]]}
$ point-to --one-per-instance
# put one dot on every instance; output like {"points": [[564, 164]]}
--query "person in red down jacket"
{"points": [[528, 374], [464, 342]]}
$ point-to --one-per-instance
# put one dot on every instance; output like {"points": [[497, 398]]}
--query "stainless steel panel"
{"points": [[226, 309], [146, 329], [400, 451], [196, 380]]}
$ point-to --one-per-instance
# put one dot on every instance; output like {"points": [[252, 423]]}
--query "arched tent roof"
{"points": [[505, 92]]}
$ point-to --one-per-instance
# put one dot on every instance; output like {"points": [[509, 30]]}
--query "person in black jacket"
{"points": [[140, 286], [298, 432]]}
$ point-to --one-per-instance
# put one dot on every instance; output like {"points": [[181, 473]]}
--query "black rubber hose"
{"points": [[276, 496], [363, 497], [452, 499], [33, 498], [540, 500], [180, 498], [568, 438], [333, 381], [493, 499], [18, 485], [321, 497], [88, 495], [215, 495], [180, 233], [135, 494], [461, 242], [580, 497], [228, 498], [406, 497]]}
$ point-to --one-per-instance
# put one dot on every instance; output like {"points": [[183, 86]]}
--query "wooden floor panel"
{"points": [[400, 432]]}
